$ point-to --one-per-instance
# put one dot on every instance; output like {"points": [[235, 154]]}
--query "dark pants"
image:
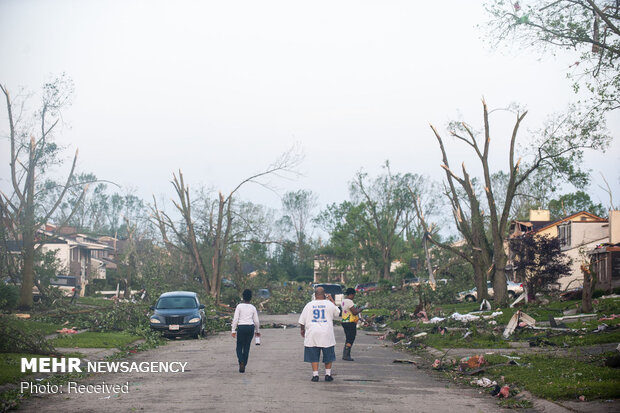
{"points": [[244, 339], [350, 330]]}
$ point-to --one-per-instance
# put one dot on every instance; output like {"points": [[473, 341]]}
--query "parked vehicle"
{"points": [[365, 287], [65, 283], [178, 313], [514, 289], [411, 282], [335, 290]]}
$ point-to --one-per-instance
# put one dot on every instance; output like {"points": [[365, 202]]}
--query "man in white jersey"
{"points": [[317, 329]]}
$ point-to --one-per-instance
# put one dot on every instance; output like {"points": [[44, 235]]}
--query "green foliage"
{"points": [[9, 296], [367, 233], [286, 300], [404, 300], [553, 25], [124, 316], [568, 204]]}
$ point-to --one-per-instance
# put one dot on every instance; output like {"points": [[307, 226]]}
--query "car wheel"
{"points": [[511, 294], [470, 299]]}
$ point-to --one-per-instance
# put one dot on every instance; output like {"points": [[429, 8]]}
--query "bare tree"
{"points": [[30, 158], [220, 222], [558, 148]]}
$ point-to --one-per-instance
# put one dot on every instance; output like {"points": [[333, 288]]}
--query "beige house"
{"points": [[79, 255], [578, 234]]}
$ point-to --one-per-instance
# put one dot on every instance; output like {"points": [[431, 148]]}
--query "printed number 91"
{"points": [[318, 314]]}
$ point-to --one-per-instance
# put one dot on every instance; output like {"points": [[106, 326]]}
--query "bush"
{"points": [[285, 300], [129, 317], [9, 296]]}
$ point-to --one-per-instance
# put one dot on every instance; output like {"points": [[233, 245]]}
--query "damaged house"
{"points": [[578, 233]]}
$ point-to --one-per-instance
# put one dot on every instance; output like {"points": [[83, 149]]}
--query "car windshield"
{"points": [[169, 303]]}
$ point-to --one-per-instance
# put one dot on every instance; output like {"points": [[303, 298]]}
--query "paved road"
{"points": [[276, 380]]}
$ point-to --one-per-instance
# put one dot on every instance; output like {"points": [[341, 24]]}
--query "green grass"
{"points": [[91, 339], [588, 339], [592, 324], [10, 366], [31, 326], [557, 378], [96, 301]]}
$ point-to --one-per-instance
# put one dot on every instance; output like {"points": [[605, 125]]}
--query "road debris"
{"points": [[472, 362], [504, 392], [518, 300], [465, 318], [484, 382], [71, 330], [519, 319]]}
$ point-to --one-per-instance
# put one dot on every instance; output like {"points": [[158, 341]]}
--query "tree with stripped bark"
{"points": [[32, 153], [557, 148]]}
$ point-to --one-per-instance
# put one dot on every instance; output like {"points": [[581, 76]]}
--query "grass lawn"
{"points": [[91, 339], [558, 378], [96, 301], [10, 366], [31, 326]]}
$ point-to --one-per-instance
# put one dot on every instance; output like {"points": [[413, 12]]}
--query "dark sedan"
{"points": [[178, 313]]}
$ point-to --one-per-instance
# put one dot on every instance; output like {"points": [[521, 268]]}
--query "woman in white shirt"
{"points": [[244, 326]]}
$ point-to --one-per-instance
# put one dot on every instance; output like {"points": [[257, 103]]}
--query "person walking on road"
{"points": [[350, 316], [244, 326], [317, 329]]}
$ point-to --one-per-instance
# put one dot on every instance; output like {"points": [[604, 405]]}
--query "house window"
{"points": [[564, 235]]}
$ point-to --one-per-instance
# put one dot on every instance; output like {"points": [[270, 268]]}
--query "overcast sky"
{"points": [[220, 89]]}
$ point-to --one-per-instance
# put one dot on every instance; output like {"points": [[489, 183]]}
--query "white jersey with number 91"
{"points": [[318, 319]]}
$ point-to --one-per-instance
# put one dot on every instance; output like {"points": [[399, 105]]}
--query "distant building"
{"points": [[80, 255]]}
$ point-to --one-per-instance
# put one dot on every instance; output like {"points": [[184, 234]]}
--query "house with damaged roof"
{"points": [[578, 234]]}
